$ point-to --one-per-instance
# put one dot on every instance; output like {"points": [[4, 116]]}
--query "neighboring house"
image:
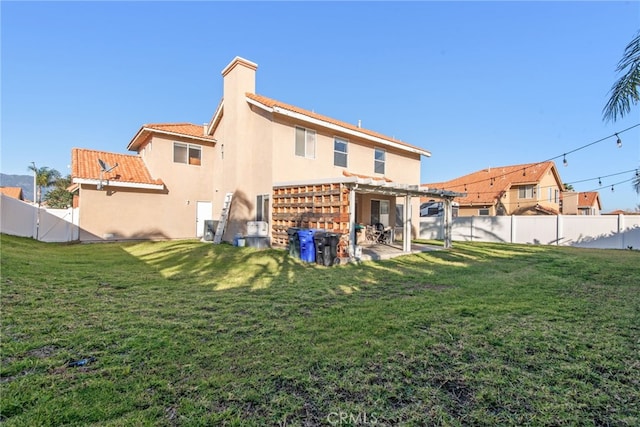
{"points": [[527, 189], [284, 165], [580, 203], [14, 192]]}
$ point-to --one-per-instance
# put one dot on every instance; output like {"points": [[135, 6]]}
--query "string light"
{"points": [[602, 176], [564, 160], [618, 141], [542, 188], [533, 165]]}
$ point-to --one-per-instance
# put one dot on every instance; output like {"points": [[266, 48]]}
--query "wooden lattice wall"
{"points": [[319, 206]]}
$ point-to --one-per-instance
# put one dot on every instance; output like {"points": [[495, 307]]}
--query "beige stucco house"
{"points": [[526, 189], [284, 165], [580, 203]]}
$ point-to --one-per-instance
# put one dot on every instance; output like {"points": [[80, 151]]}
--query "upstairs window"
{"points": [[378, 160], [187, 153], [340, 152], [526, 192], [305, 143]]}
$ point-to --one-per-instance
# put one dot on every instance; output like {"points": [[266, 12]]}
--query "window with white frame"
{"points": [[379, 160], [340, 152], [526, 192], [305, 143], [187, 153], [483, 212]]}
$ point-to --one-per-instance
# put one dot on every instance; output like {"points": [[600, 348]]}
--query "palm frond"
{"points": [[624, 92]]}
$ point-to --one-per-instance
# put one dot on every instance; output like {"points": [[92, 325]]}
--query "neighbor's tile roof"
{"points": [[486, 185], [588, 199], [15, 192], [273, 103], [84, 164]]}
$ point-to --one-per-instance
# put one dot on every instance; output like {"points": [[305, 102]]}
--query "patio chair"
{"points": [[383, 234]]}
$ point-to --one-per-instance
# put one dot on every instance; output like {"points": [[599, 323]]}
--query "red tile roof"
{"points": [[188, 130], [588, 199], [130, 169], [384, 178], [486, 185], [15, 192], [271, 103]]}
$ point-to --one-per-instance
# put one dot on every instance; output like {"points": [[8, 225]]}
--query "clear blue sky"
{"points": [[479, 84]]}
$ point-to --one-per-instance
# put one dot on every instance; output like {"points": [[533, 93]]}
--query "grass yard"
{"points": [[187, 333]]}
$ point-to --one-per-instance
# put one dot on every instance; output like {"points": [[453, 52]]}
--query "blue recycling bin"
{"points": [[307, 246]]}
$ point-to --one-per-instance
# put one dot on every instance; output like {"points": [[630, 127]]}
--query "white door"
{"points": [[204, 212]]}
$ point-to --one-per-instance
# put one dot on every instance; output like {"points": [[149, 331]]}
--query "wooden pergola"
{"points": [[330, 205]]}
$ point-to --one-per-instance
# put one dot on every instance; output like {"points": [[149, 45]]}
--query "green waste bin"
{"points": [[294, 242]]}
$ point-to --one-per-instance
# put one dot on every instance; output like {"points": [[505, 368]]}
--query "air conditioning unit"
{"points": [[257, 228]]}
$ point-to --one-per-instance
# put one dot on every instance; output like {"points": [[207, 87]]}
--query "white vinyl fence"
{"points": [[595, 231], [19, 218]]}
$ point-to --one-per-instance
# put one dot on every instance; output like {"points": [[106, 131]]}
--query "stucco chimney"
{"points": [[239, 77]]}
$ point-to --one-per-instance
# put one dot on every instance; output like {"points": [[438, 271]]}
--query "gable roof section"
{"points": [[307, 116], [197, 133], [130, 172], [588, 199], [487, 185], [14, 192]]}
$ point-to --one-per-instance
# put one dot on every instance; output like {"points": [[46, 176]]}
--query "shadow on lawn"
{"points": [[225, 267]]}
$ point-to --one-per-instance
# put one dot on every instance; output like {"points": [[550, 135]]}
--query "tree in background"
{"points": [[45, 177], [60, 197], [568, 187], [624, 92]]}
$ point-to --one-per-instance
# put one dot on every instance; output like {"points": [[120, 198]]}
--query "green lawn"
{"points": [[187, 333]]}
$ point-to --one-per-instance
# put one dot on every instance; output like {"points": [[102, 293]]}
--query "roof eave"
{"points": [[144, 131], [217, 116], [121, 184], [306, 119]]}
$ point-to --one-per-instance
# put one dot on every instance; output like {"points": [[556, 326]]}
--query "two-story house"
{"points": [[527, 189], [283, 164], [580, 203]]}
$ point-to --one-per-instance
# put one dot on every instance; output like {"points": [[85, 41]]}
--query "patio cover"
{"points": [[380, 186]]}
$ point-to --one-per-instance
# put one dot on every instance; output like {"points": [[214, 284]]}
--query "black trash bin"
{"points": [[331, 249], [294, 242], [320, 240]]}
